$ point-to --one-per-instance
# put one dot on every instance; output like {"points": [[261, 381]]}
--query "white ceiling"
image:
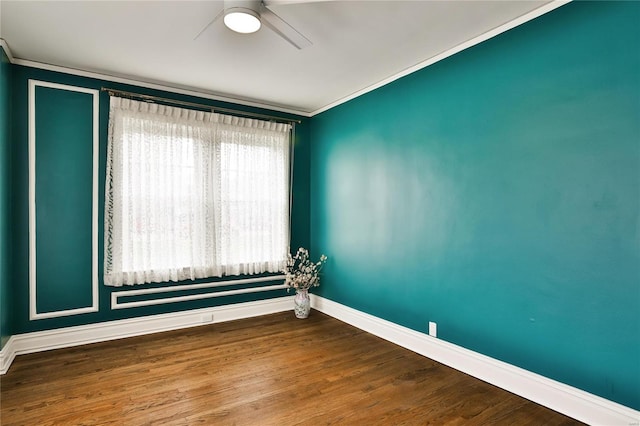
{"points": [[356, 44]]}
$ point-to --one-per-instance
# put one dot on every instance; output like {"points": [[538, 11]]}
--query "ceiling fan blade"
{"points": [[209, 24], [284, 2], [284, 30]]}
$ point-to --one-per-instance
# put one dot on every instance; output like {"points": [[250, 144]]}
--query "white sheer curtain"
{"points": [[192, 194]]}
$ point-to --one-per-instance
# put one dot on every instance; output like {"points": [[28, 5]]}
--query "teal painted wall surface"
{"points": [[63, 187], [5, 198], [497, 193], [59, 154]]}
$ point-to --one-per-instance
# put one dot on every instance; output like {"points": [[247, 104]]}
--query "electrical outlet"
{"points": [[433, 329]]}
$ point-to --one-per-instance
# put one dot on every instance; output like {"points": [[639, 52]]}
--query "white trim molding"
{"points": [[6, 49], [160, 86], [33, 311], [116, 304], [557, 396], [546, 8], [150, 84], [565, 399], [7, 354], [119, 329]]}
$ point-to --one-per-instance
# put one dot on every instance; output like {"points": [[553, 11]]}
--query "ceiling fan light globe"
{"points": [[242, 20]]}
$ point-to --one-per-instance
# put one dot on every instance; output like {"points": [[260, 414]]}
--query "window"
{"points": [[191, 194]]}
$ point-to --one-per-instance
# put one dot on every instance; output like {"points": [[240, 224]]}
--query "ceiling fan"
{"points": [[247, 16]]}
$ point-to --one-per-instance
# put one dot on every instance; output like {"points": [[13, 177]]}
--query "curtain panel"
{"points": [[192, 194]]}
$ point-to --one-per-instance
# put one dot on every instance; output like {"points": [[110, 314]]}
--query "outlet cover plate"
{"points": [[433, 329]]}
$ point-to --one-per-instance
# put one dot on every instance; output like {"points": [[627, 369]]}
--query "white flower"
{"points": [[300, 272]]}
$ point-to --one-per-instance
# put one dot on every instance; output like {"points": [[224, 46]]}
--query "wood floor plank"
{"points": [[270, 370]]}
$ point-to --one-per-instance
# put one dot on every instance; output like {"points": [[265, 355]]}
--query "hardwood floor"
{"points": [[270, 370]]}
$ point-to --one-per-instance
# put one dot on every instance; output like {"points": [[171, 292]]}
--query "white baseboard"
{"points": [[7, 354], [557, 396], [80, 335]]}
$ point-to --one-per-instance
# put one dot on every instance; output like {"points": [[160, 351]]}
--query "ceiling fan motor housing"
{"points": [[247, 6], [242, 16]]}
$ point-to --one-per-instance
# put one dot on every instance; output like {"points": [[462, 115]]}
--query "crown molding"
{"points": [[159, 86], [149, 84], [548, 7], [6, 49]]}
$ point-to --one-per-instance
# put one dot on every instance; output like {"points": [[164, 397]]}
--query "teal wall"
{"points": [[5, 197], [63, 199], [64, 188], [497, 193]]}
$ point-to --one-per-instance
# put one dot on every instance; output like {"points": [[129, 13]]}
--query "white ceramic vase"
{"points": [[302, 304]]}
